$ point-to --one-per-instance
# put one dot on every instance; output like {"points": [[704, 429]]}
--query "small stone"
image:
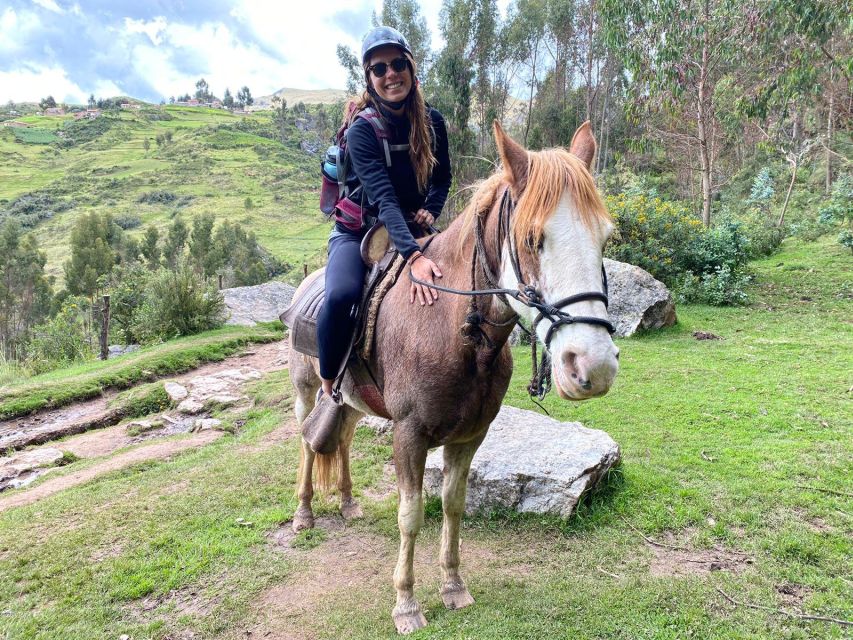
{"points": [[141, 426], [124, 636], [204, 424], [380, 425], [225, 399], [191, 406], [175, 391]]}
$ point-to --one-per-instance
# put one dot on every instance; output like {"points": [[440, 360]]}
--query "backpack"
{"points": [[335, 196]]}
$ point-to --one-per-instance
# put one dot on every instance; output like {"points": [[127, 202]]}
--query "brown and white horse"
{"points": [[440, 388]]}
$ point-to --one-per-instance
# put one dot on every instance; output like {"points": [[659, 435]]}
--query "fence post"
{"points": [[304, 270], [220, 282], [105, 329]]}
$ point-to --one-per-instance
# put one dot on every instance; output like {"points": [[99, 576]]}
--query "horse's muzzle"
{"points": [[582, 376]]}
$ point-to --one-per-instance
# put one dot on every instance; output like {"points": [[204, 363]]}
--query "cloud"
{"points": [[158, 48], [50, 5]]}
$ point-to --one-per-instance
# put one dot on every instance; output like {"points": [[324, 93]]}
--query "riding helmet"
{"points": [[380, 37]]}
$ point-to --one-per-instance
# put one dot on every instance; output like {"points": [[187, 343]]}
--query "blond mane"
{"points": [[550, 172]]}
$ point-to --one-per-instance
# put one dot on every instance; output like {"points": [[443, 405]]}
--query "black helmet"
{"points": [[380, 37]]}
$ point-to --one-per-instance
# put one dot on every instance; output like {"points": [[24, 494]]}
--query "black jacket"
{"points": [[391, 193]]}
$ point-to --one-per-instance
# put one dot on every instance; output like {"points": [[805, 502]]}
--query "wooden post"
{"points": [[220, 282], [105, 329], [304, 270]]}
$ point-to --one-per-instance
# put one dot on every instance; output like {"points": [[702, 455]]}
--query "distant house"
{"points": [[216, 104], [13, 123], [88, 114], [193, 103], [54, 111]]}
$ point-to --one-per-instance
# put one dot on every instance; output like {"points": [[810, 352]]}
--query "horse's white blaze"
{"points": [[583, 355]]}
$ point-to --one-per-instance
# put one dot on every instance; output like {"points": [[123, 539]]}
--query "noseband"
{"points": [[526, 294]]}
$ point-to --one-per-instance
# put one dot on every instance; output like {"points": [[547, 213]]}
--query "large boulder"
{"points": [[260, 303], [531, 463], [637, 300]]}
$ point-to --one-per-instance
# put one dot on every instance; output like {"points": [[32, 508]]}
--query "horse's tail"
{"points": [[326, 466]]}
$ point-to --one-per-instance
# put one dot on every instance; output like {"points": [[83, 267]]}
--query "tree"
{"points": [[355, 74], [146, 144], [405, 16], [280, 117], [47, 103], [201, 246], [244, 97], [92, 101], [202, 91], [175, 241], [150, 249], [95, 241], [678, 53], [228, 99], [25, 290]]}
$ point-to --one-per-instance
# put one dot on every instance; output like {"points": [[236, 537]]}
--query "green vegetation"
{"points": [[88, 380], [108, 170], [739, 447]]}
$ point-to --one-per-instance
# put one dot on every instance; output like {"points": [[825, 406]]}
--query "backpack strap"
{"points": [[380, 128]]}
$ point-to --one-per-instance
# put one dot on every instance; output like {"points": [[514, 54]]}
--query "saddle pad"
{"points": [[301, 316]]}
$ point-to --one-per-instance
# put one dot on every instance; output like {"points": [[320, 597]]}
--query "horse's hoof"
{"points": [[302, 519], [350, 510], [456, 598], [407, 623]]}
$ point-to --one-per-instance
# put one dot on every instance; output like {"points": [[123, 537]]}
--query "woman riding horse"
{"points": [[405, 181]]}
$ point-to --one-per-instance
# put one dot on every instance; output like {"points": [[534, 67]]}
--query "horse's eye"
{"points": [[540, 245]]}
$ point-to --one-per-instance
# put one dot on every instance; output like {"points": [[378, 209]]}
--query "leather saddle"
{"points": [[379, 254]]}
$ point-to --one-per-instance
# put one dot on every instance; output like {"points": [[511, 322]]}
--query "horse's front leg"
{"points": [[410, 453], [350, 509], [457, 463]]}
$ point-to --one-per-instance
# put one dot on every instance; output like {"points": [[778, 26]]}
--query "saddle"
{"points": [[386, 264]]}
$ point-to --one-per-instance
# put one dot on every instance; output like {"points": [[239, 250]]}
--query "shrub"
{"points": [[128, 221], [32, 208], [126, 285], [157, 197], [176, 303], [63, 340]]}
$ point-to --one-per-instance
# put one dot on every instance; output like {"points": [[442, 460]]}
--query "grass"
{"points": [[91, 379], [732, 444], [209, 159]]}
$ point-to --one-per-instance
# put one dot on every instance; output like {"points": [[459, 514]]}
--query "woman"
{"points": [[411, 191]]}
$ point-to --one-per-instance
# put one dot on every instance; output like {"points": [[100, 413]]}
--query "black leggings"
{"points": [[345, 273]]}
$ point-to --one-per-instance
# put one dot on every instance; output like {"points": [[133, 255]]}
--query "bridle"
{"points": [[526, 294]]}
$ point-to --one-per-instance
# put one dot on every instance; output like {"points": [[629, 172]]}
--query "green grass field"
{"points": [[739, 446], [208, 159]]}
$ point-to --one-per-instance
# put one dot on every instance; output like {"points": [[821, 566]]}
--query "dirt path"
{"points": [[155, 451], [95, 414], [100, 441]]}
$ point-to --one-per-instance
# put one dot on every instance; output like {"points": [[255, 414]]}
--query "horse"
{"points": [[533, 234]]}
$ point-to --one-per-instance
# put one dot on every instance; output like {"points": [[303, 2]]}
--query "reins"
{"points": [[528, 295]]}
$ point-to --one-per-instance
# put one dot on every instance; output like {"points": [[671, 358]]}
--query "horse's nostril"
{"points": [[617, 354], [586, 385]]}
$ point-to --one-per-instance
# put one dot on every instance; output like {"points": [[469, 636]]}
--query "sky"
{"points": [[154, 49]]}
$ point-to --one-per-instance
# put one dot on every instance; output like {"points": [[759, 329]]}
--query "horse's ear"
{"points": [[514, 157], [583, 144]]}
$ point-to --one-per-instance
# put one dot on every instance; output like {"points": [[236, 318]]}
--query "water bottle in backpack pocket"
{"points": [[330, 189]]}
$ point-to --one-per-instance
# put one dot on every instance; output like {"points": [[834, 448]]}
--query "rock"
{"points": [[637, 300], [17, 467], [261, 303], [141, 426], [203, 424], [191, 406], [175, 391], [225, 399], [116, 350], [531, 463], [380, 425]]}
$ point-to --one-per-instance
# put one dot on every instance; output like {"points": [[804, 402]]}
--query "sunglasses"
{"points": [[381, 68]]}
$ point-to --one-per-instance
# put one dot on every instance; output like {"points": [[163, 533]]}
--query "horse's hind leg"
{"points": [[350, 509], [306, 383], [457, 463], [409, 460]]}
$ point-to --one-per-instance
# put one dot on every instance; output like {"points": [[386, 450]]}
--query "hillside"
{"points": [[305, 96], [233, 166]]}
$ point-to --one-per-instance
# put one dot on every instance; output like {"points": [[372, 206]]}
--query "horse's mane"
{"points": [[550, 172]]}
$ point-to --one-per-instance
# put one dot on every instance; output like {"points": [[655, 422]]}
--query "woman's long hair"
{"points": [[420, 137]]}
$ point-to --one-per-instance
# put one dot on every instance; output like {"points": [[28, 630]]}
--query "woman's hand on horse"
{"points": [[423, 269], [424, 218]]}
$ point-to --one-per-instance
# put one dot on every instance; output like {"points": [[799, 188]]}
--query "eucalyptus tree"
{"points": [[677, 51]]}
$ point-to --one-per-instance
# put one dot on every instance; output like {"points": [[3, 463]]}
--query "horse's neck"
{"points": [[456, 270]]}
